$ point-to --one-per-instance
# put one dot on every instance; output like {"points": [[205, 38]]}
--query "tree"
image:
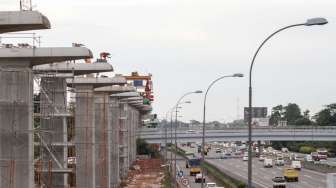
{"points": [[195, 122], [277, 114], [324, 118], [292, 113]]}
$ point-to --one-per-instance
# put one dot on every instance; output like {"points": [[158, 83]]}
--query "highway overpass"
{"points": [[157, 135]]}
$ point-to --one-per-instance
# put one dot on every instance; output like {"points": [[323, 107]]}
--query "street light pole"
{"points": [[309, 22], [204, 105], [171, 134], [176, 107]]}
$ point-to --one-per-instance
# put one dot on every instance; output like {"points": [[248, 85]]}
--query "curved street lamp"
{"points": [[204, 105], [309, 22], [171, 128], [178, 102]]}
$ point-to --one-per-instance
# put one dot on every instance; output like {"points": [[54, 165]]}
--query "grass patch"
{"points": [[213, 171], [222, 178], [167, 179]]}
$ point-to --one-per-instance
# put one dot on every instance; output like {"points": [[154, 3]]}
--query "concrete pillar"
{"points": [[123, 139], [16, 137], [114, 153], [103, 145], [85, 137], [53, 104]]}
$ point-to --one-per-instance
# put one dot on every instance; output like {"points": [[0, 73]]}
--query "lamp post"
{"points": [[171, 129], [204, 105], [176, 106], [309, 22]]}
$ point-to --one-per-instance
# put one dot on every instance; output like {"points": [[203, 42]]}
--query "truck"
{"points": [[268, 163], [290, 174], [322, 154], [195, 166], [296, 165]]}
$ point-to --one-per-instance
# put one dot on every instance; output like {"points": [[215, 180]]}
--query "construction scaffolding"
{"points": [[47, 141], [52, 131]]}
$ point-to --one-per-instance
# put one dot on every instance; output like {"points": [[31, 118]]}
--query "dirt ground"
{"points": [[145, 173]]}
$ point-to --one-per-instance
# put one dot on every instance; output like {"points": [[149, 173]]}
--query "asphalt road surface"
{"points": [[262, 177], [181, 165]]}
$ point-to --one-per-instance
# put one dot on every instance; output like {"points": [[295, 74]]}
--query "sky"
{"points": [[186, 44]]}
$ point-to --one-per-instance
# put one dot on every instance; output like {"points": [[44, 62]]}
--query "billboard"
{"points": [[257, 112]]}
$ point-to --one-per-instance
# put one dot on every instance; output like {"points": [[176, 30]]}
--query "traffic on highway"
{"points": [[272, 168]]}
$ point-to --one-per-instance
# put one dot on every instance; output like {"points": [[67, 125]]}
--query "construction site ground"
{"points": [[145, 173]]}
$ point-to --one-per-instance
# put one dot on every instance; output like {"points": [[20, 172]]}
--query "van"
{"points": [[268, 163], [296, 165]]}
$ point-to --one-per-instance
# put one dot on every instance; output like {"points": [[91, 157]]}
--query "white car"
{"points": [[245, 158], [296, 165], [211, 185], [268, 163], [279, 161], [198, 178], [261, 158]]}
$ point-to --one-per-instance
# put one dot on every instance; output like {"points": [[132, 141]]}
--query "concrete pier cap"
{"points": [[116, 89], [38, 56], [132, 99], [126, 94], [76, 68], [96, 82], [14, 21]]}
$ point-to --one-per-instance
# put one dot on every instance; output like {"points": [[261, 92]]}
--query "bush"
{"points": [[143, 148], [306, 149]]}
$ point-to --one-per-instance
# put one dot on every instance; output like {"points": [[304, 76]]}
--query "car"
{"points": [[309, 158], [279, 182], [191, 131], [225, 155], [211, 185], [261, 158], [268, 163], [245, 158], [198, 178], [285, 150], [296, 165], [218, 150], [279, 161]]}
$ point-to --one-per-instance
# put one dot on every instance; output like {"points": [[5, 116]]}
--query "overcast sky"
{"points": [[186, 44]]}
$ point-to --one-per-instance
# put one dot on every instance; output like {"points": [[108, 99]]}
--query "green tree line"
{"points": [[295, 117]]}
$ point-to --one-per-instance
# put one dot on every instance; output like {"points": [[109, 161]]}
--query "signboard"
{"points": [[260, 122], [184, 181], [257, 112]]}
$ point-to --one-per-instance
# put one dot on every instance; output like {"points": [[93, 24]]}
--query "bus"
{"points": [[195, 166]]}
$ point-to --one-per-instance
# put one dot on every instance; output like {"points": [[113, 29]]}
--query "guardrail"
{"points": [[289, 127]]}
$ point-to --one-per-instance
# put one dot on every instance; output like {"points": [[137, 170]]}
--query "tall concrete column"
{"points": [[54, 113], [112, 147], [16, 98], [16, 137], [114, 142], [101, 136], [53, 105], [123, 139], [86, 127], [85, 137]]}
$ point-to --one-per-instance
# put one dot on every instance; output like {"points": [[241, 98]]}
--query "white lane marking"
{"points": [[307, 176], [313, 172]]}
